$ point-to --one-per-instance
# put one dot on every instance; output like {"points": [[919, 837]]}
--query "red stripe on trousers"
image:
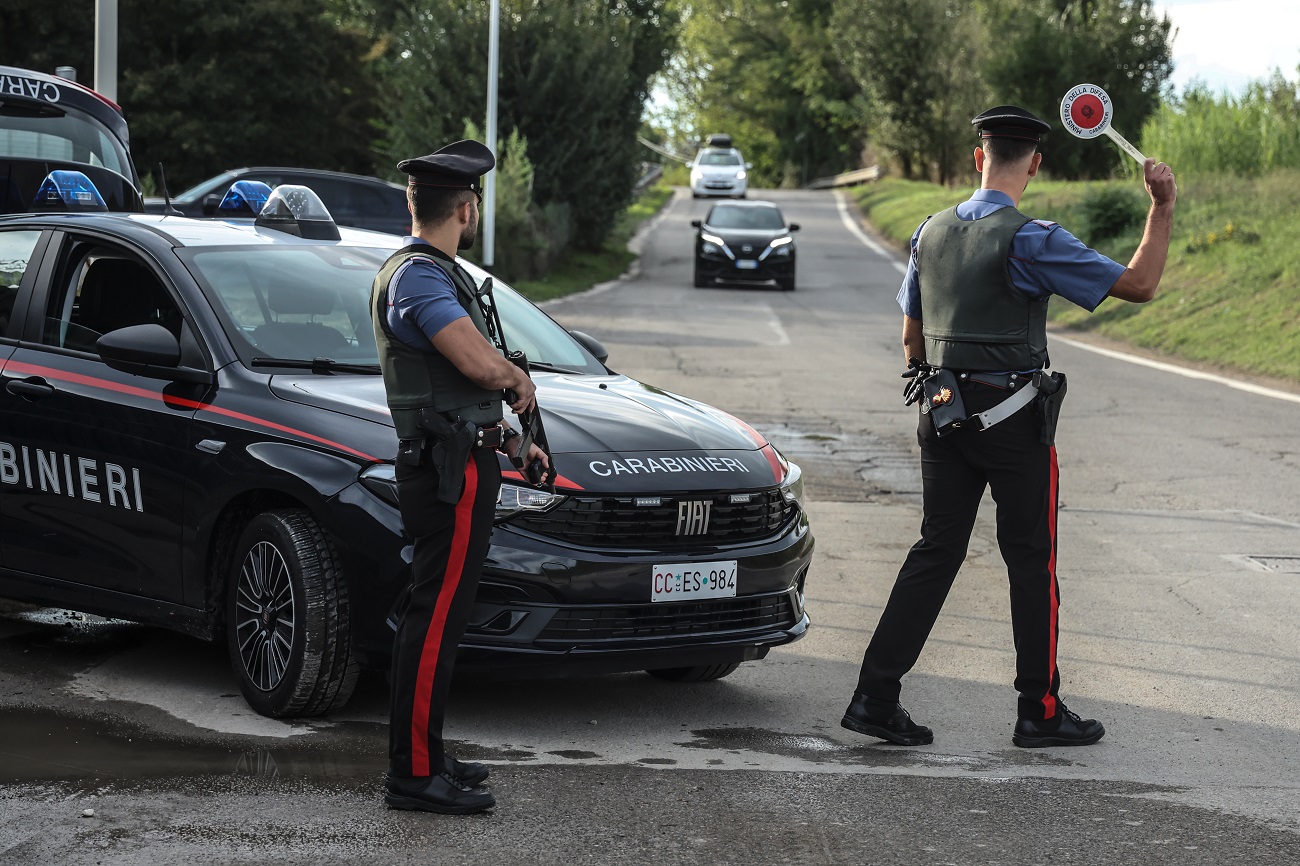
{"points": [[433, 637], [1049, 700]]}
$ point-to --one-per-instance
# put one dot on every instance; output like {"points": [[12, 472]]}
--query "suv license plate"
{"points": [[687, 582], [746, 264]]}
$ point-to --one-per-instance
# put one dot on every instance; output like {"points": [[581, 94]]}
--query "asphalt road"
{"points": [[1180, 579]]}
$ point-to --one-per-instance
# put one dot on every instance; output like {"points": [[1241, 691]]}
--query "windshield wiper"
{"points": [[549, 368], [316, 365]]}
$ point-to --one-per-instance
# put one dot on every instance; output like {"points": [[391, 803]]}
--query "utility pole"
{"points": [[106, 48], [490, 188]]}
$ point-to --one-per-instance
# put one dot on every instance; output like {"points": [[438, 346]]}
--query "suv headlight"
{"points": [[740, 175], [381, 480], [514, 498]]}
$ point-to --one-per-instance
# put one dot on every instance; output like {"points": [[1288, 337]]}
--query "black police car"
{"points": [[193, 433], [352, 199], [744, 242], [48, 124]]}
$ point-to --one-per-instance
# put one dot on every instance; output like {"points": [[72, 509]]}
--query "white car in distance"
{"points": [[719, 171]]}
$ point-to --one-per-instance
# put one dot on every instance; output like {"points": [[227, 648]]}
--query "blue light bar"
{"points": [[245, 198], [68, 191]]}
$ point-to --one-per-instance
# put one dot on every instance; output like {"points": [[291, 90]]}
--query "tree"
{"points": [[1048, 46]]}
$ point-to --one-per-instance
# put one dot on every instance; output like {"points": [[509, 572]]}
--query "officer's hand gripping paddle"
{"points": [[1086, 113]]}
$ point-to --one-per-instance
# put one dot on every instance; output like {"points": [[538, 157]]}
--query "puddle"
{"points": [[574, 754], [41, 746]]}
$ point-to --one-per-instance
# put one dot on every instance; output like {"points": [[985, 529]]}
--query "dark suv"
{"points": [[352, 199]]}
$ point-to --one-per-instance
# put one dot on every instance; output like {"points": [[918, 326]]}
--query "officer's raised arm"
{"points": [[1139, 281]]}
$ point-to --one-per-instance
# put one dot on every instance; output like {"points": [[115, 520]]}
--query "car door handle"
{"points": [[30, 388]]}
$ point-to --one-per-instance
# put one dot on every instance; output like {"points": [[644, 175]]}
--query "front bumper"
{"points": [[720, 268], [720, 186]]}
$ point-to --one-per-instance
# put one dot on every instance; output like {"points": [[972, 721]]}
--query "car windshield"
{"points": [[718, 158], [748, 217], [191, 195], [309, 301], [55, 135]]}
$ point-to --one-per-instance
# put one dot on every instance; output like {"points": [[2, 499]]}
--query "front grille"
{"points": [[669, 619], [620, 522]]}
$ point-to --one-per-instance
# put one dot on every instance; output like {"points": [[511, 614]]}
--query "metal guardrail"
{"points": [[848, 178], [652, 174]]}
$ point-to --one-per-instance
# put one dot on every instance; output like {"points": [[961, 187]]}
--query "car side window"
{"points": [[16, 248], [101, 289]]}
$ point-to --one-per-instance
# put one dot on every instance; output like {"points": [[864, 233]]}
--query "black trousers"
{"points": [[1022, 474], [450, 543]]}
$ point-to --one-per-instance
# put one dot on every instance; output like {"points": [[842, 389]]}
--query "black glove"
{"points": [[916, 375]]}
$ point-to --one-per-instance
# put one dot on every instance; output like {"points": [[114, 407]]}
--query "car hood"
{"points": [[758, 237], [608, 433]]}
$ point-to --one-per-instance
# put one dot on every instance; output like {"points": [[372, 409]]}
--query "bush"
{"points": [[1110, 211]]}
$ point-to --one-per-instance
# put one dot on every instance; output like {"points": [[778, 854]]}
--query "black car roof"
{"points": [[36, 88], [316, 172]]}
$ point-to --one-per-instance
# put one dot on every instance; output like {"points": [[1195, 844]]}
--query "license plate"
{"points": [[747, 264], [693, 580]]}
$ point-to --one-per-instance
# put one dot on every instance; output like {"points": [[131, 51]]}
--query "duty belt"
{"points": [[484, 437], [1025, 386]]}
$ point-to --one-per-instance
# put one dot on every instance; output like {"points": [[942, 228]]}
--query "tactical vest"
{"points": [[416, 380], [972, 315]]}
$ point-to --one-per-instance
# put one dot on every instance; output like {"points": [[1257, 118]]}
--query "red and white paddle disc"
{"points": [[1086, 111]]}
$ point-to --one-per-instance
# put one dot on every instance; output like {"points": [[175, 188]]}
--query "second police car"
{"points": [[193, 433]]}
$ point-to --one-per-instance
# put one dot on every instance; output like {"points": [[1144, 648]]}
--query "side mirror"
{"points": [[749, 165], [210, 203], [151, 351], [696, 223], [592, 345], [794, 227]]}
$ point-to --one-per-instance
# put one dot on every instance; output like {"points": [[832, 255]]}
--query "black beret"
{"points": [[1010, 121], [459, 165]]}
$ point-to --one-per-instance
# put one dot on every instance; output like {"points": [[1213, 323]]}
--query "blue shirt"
{"points": [[421, 300], [1045, 259]]}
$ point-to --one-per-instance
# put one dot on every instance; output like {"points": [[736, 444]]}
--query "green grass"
{"points": [[1230, 296], [582, 270]]}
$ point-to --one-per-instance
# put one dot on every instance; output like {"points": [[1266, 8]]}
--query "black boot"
{"points": [[469, 773], [888, 721], [1063, 729], [442, 793]]}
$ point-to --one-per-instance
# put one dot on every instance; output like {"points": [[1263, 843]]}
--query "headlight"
{"points": [[513, 499], [782, 251], [792, 486], [740, 175], [711, 249], [782, 242], [381, 480]]}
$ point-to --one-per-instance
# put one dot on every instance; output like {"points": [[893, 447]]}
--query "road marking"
{"points": [[1258, 390], [852, 225]]}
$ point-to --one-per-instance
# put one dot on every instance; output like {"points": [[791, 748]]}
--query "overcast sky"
{"points": [[1227, 43]]}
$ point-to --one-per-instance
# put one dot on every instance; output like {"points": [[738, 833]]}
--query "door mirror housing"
{"points": [[151, 351], [592, 345], [794, 227], [696, 223], [211, 202]]}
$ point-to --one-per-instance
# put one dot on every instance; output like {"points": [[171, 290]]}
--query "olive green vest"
{"points": [[972, 315], [416, 380]]}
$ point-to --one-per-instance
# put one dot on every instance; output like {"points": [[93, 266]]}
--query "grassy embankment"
{"points": [[1230, 297], [582, 270]]}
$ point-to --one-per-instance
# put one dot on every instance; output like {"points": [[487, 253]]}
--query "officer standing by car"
{"points": [[975, 334], [445, 382]]}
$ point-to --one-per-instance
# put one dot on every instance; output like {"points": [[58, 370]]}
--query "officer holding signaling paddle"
{"points": [[975, 335]]}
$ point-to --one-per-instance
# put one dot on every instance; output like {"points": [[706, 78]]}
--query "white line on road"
{"points": [[782, 338], [852, 225], [1183, 371]]}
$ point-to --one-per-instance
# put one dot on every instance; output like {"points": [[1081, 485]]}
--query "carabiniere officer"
{"points": [[975, 332], [445, 383]]}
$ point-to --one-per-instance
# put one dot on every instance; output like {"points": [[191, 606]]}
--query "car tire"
{"points": [[695, 674], [285, 563], [700, 281]]}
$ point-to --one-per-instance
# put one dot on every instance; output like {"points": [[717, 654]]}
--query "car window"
{"points": [[299, 302], [733, 217], [59, 136], [16, 248], [716, 158], [218, 185], [101, 289]]}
